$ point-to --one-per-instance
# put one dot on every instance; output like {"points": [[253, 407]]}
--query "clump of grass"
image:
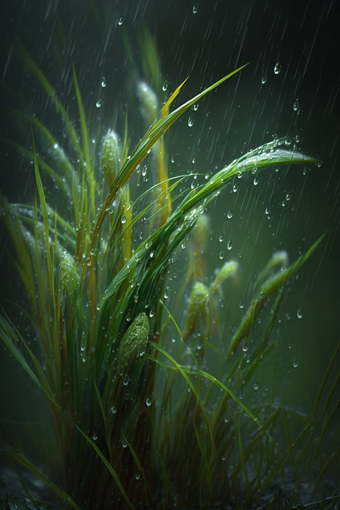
{"points": [[96, 293]]}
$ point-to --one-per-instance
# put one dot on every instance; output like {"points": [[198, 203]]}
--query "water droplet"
{"points": [[195, 107], [256, 385], [166, 293], [137, 476], [229, 245], [113, 410], [99, 103], [245, 347], [120, 22], [221, 238], [264, 79], [277, 68], [195, 9], [151, 313], [94, 437], [299, 313], [295, 363], [230, 214], [241, 305], [296, 105], [165, 85], [235, 188], [148, 401], [256, 181], [172, 159], [104, 82], [123, 219], [221, 255], [190, 121]]}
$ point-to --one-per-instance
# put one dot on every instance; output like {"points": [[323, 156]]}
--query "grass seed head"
{"points": [[197, 308], [110, 156], [228, 270], [134, 343]]}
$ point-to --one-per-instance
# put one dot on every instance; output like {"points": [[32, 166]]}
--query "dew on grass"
{"points": [[190, 121], [299, 313], [148, 401], [295, 363]]}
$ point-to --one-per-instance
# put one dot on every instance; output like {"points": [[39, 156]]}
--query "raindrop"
{"points": [[94, 437], [221, 255], [113, 410], [245, 347], [137, 476], [277, 68], [299, 313], [195, 8], [256, 385], [123, 219], [99, 103], [229, 245], [172, 159], [151, 313], [264, 79], [241, 305], [195, 107], [296, 105], [295, 363], [235, 188], [190, 121], [166, 293], [256, 181], [104, 82], [148, 401], [221, 238], [120, 21], [230, 214], [165, 85]]}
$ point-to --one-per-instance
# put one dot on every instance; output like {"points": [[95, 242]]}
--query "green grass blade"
{"points": [[27, 464], [108, 466], [182, 371], [144, 146]]}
